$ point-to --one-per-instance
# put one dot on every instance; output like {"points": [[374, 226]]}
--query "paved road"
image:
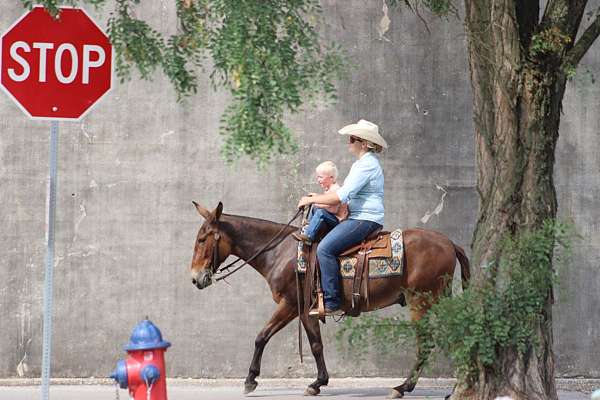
{"points": [[195, 392]]}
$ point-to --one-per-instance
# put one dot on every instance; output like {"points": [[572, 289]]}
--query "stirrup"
{"points": [[327, 312], [301, 237]]}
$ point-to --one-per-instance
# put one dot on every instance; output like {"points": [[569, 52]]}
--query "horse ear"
{"points": [[218, 211], [203, 211]]}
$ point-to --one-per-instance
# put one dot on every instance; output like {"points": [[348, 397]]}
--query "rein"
{"points": [[266, 247]]}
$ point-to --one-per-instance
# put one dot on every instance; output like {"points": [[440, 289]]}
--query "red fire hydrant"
{"points": [[143, 372]]}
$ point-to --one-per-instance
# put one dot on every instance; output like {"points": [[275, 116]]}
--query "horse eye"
{"points": [[202, 237]]}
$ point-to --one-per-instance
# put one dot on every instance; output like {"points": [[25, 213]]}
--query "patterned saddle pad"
{"points": [[378, 267]]}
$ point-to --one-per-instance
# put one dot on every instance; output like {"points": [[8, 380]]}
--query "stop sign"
{"points": [[55, 68]]}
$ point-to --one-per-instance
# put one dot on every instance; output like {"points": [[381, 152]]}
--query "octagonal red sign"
{"points": [[55, 68]]}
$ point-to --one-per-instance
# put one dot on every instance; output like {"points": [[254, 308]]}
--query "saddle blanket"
{"points": [[380, 267]]}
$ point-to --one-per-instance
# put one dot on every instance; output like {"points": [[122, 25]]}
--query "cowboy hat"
{"points": [[365, 130]]}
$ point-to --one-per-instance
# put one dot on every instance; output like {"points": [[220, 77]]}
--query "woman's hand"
{"points": [[304, 201], [327, 199]]}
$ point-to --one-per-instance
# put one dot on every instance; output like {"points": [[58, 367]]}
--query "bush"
{"points": [[500, 313]]}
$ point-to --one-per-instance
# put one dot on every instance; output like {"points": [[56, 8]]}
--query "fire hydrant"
{"points": [[143, 372]]}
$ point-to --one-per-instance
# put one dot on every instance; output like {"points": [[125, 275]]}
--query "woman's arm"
{"points": [[331, 199], [360, 174]]}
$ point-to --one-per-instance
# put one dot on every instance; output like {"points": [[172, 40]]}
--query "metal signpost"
{"points": [[54, 69]]}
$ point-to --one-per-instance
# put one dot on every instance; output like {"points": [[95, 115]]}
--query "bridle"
{"points": [[224, 272]]}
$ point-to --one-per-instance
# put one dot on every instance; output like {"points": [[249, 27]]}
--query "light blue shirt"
{"points": [[363, 189]]}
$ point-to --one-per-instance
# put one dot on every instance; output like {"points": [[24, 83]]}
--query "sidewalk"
{"points": [[271, 389]]}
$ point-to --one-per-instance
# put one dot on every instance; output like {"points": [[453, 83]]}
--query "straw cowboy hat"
{"points": [[365, 130]]}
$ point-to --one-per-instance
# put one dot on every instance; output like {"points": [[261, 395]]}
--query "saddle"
{"points": [[379, 254], [377, 245]]}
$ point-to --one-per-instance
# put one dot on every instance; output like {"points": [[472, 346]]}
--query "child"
{"points": [[322, 213]]}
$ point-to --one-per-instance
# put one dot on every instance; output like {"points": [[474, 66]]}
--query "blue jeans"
{"points": [[346, 234], [318, 218]]}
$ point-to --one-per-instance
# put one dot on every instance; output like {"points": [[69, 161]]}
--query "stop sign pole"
{"points": [[49, 271], [54, 69]]}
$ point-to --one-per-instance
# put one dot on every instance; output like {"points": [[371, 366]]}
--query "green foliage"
{"points": [[550, 41], [440, 8], [133, 39], [473, 328], [587, 77], [269, 55], [266, 53], [570, 71], [53, 5]]}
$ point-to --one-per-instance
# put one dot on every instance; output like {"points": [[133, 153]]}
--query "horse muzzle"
{"points": [[202, 280]]}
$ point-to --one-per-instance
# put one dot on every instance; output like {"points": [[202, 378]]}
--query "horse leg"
{"points": [[418, 308], [313, 331], [283, 314]]}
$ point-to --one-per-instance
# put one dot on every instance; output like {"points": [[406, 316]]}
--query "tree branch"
{"points": [[584, 43], [549, 16], [564, 14], [527, 13], [576, 10]]}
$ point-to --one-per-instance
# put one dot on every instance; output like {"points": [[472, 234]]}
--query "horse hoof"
{"points": [[311, 391], [250, 387], [395, 394]]}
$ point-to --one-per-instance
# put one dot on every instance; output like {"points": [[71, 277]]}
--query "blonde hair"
{"points": [[328, 167], [375, 148]]}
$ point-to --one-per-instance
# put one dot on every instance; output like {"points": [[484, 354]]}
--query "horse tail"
{"points": [[465, 266]]}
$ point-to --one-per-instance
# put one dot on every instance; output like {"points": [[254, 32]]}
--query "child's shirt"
{"points": [[339, 210]]}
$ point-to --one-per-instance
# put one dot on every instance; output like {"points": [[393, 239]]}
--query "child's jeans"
{"points": [[317, 218]]}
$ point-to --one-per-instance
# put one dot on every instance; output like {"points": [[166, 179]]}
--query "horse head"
{"points": [[212, 247]]}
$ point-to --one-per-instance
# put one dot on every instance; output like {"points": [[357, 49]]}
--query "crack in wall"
{"points": [[82, 216], [437, 209], [164, 135], [24, 340], [85, 132], [384, 23]]}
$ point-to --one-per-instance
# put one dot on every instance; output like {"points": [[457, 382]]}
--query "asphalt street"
{"points": [[337, 390]]}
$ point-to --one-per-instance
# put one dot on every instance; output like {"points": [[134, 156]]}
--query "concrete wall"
{"points": [[128, 173]]}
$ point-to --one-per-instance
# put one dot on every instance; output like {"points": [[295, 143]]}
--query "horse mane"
{"points": [[243, 218]]}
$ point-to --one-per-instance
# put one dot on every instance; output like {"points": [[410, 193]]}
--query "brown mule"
{"points": [[430, 259]]}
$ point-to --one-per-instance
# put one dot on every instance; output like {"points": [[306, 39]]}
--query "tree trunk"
{"points": [[517, 102]]}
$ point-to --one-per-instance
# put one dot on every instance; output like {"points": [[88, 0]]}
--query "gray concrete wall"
{"points": [[128, 173]]}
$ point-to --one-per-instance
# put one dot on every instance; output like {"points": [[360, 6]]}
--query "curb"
{"points": [[566, 384]]}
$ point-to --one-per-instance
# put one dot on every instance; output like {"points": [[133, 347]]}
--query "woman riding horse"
{"points": [[363, 191], [429, 260]]}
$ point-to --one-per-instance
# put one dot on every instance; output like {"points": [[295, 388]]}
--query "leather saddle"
{"points": [[376, 245]]}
